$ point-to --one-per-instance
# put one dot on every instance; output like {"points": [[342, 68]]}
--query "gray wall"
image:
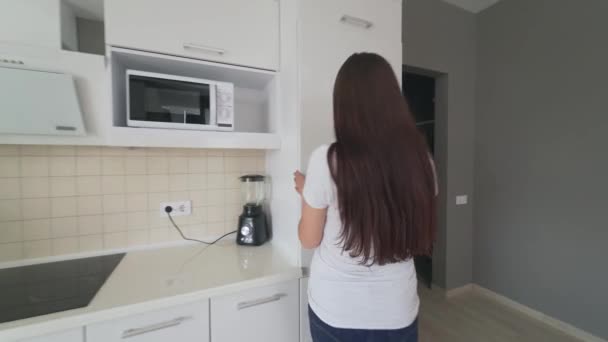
{"points": [[91, 36], [441, 38], [541, 157]]}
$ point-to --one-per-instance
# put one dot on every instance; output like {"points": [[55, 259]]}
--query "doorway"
{"points": [[419, 90]]}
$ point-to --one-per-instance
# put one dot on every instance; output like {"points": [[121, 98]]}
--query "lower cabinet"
{"points": [[262, 314], [75, 335], [265, 314], [184, 323]]}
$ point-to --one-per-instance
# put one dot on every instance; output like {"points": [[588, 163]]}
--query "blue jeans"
{"points": [[322, 332]]}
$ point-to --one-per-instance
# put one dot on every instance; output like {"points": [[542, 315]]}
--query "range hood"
{"points": [[39, 102]]}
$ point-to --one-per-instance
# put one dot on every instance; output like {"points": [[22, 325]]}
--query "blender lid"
{"points": [[252, 178]]}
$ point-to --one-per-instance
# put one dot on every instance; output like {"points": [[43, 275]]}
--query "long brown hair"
{"points": [[381, 166]]}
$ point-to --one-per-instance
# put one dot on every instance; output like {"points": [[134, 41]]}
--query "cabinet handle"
{"points": [[65, 128], [204, 48], [256, 302], [154, 327], [348, 19]]}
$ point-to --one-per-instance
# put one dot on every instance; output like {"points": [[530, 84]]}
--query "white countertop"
{"points": [[158, 278]]}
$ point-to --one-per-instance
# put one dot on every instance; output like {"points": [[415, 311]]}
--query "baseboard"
{"points": [[459, 290], [553, 322]]}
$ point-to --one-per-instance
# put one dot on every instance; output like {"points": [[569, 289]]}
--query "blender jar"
{"points": [[253, 190]]}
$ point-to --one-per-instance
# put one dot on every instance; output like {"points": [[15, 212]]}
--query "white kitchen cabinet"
{"points": [[185, 323], [304, 322], [74, 335], [266, 314], [240, 32], [330, 32], [33, 22], [51, 23], [327, 32]]}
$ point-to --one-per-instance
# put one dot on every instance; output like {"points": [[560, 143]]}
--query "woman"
{"points": [[368, 206]]}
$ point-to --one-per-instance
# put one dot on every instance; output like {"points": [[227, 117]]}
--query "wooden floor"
{"points": [[475, 317]]}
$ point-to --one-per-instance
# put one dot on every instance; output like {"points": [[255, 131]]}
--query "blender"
{"points": [[253, 228]]}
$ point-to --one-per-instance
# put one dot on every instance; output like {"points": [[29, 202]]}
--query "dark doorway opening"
{"points": [[419, 90]]}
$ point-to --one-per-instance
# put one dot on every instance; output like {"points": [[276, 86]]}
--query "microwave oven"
{"points": [[157, 100]]}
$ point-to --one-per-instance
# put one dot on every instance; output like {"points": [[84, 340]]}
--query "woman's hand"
{"points": [[299, 179]]}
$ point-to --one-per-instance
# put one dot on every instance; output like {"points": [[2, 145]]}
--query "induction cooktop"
{"points": [[35, 290]]}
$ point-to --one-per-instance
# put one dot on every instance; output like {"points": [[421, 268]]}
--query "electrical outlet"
{"points": [[462, 200], [180, 208]]}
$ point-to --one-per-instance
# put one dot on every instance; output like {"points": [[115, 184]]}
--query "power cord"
{"points": [[168, 210]]}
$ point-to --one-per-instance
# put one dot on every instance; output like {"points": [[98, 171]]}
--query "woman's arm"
{"points": [[312, 221], [310, 229]]}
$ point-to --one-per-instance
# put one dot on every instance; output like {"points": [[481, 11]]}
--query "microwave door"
{"points": [[166, 103]]}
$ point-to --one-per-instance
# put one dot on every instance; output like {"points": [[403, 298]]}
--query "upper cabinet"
{"points": [[239, 32], [333, 30], [329, 32], [71, 25], [34, 22]]}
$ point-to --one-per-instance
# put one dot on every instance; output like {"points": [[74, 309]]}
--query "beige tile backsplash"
{"points": [[58, 200]]}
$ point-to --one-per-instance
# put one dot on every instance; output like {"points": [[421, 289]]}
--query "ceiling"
{"points": [[474, 6], [88, 9]]}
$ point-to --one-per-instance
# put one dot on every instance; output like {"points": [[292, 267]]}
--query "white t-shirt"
{"points": [[341, 291]]}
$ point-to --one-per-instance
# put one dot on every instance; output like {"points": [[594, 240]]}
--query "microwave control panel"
{"points": [[225, 104]]}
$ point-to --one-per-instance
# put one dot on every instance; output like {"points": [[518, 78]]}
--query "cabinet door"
{"points": [[185, 323], [330, 31], [17, 18], [267, 314], [241, 32], [75, 335], [304, 322]]}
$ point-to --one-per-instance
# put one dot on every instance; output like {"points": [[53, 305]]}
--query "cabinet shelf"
{"points": [[149, 137], [150, 61], [253, 96]]}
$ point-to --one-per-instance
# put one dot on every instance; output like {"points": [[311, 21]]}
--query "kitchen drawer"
{"points": [[265, 314], [75, 335], [241, 32], [185, 323]]}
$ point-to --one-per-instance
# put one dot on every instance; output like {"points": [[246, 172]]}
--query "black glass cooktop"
{"points": [[41, 289]]}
